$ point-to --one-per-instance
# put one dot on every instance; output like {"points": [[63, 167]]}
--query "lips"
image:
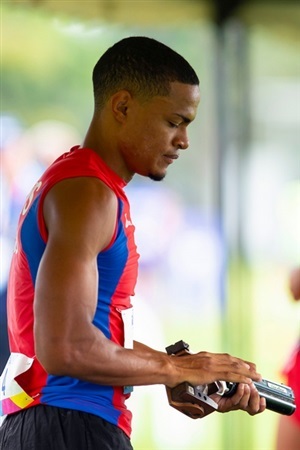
{"points": [[170, 158]]}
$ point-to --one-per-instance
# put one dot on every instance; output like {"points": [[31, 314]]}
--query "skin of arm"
{"points": [[80, 215]]}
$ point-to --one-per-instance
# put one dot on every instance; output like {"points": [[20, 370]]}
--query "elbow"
{"points": [[55, 358]]}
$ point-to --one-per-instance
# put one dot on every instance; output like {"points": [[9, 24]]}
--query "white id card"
{"points": [[127, 317]]}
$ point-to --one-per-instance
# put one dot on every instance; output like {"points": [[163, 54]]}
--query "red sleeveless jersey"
{"points": [[117, 267]]}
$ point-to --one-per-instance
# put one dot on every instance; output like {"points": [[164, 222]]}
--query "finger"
{"points": [[228, 368], [240, 376], [253, 369], [242, 396], [248, 399], [226, 404], [244, 370], [263, 404], [237, 378], [257, 404], [205, 367], [254, 401], [251, 364]]}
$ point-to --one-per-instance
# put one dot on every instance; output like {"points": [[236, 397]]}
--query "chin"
{"points": [[156, 176]]}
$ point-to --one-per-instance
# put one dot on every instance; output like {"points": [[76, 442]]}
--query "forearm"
{"points": [[145, 348], [96, 359]]}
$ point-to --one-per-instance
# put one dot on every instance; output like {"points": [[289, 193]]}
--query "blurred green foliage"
{"points": [[46, 61], [46, 67]]}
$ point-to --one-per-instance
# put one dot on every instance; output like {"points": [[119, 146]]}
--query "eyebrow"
{"points": [[184, 118]]}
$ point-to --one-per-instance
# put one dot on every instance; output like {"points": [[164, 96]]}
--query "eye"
{"points": [[173, 125]]}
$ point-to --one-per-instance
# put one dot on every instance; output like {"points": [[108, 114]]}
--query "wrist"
{"points": [[173, 372]]}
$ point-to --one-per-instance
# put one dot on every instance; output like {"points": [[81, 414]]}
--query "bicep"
{"points": [[80, 222], [65, 292], [64, 305]]}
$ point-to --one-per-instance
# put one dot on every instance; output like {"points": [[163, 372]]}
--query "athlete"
{"points": [[74, 268]]}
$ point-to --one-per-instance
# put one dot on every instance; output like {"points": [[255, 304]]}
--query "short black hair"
{"points": [[141, 65]]}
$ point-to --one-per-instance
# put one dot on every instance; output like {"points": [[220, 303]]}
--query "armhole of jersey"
{"points": [[115, 230], [41, 221], [42, 225]]}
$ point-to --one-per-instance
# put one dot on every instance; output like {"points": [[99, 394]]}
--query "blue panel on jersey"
{"points": [[32, 242], [67, 392], [111, 264]]}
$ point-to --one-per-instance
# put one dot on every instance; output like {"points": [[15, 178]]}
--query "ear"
{"points": [[120, 102]]}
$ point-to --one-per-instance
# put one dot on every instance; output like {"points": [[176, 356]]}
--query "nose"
{"points": [[181, 139]]}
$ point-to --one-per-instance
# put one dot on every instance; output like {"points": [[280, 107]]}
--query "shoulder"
{"points": [[83, 208], [80, 190]]}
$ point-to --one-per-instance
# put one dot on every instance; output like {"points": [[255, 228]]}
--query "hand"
{"points": [[245, 398], [205, 368]]}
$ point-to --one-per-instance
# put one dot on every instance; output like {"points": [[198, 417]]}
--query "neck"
{"points": [[102, 138]]}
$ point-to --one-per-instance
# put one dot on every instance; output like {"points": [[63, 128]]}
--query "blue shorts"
{"points": [[51, 428]]}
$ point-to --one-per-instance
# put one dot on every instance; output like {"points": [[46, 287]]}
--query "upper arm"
{"points": [[80, 215]]}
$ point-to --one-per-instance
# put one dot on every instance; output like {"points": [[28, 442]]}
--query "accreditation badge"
{"points": [[127, 317]]}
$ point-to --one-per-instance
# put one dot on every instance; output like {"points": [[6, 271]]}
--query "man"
{"points": [[75, 267]]}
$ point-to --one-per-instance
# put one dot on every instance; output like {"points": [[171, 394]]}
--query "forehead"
{"points": [[182, 99], [187, 93]]}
